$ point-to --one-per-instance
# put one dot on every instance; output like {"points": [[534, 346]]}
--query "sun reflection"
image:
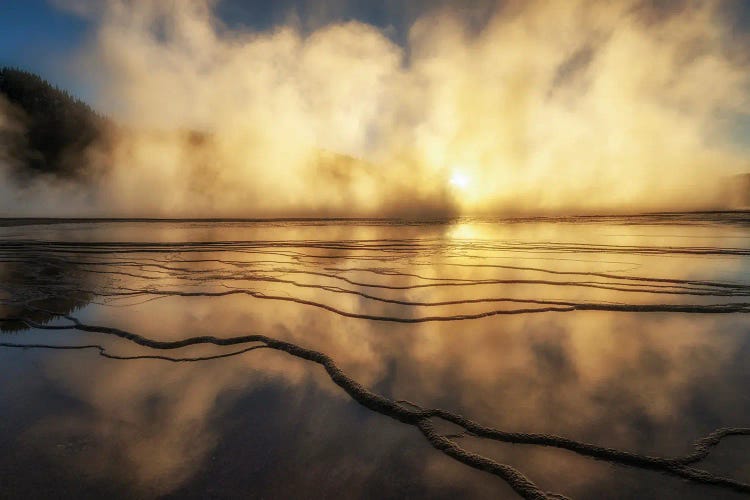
{"points": [[465, 231]]}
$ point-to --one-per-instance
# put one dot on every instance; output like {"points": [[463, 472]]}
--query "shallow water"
{"points": [[625, 332]]}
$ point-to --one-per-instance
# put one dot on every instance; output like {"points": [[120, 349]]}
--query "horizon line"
{"points": [[43, 219]]}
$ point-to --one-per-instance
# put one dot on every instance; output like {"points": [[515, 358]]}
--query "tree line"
{"points": [[54, 127]]}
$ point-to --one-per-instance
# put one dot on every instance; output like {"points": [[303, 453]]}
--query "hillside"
{"points": [[55, 127]]}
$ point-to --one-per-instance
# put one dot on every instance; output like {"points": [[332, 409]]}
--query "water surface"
{"points": [[623, 332]]}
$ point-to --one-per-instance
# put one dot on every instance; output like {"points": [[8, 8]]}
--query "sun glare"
{"points": [[460, 179]]}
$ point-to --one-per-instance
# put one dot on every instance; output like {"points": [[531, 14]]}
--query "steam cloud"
{"points": [[547, 107]]}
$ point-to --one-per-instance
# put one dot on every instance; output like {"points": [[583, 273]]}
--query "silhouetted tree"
{"points": [[57, 127]]}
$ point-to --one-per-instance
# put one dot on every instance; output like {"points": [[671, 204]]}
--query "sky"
{"points": [[345, 107], [40, 36]]}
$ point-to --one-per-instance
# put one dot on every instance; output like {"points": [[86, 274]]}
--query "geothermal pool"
{"points": [[474, 358]]}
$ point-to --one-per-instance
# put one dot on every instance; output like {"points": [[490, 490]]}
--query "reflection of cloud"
{"points": [[623, 380], [535, 393]]}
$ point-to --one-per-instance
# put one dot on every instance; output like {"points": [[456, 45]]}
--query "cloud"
{"points": [[544, 106]]}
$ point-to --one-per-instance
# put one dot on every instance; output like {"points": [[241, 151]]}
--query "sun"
{"points": [[460, 179]]}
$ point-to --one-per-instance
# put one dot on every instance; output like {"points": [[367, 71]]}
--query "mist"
{"points": [[544, 107]]}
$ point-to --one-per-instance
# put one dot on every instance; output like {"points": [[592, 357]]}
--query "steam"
{"points": [[548, 107]]}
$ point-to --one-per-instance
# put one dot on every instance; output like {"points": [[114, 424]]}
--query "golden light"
{"points": [[460, 180]]}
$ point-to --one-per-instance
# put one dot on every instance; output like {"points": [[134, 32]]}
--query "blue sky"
{"points": [[37, 36]]}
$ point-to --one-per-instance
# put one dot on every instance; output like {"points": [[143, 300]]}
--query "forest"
{"points": [[47, 131]]}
